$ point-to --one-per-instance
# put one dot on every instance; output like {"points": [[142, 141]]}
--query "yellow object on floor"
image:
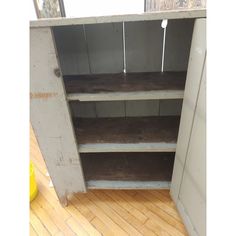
{"points": [[33, 184]]}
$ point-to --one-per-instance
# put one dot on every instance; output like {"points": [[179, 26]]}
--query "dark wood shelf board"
{"points": [[127, 129], [128, 166], [147, 85]]}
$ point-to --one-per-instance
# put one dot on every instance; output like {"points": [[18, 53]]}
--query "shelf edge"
{"points": [[120, 96], [117, 184], [130, 147]]}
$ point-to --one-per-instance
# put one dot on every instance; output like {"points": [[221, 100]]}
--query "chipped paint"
{"points": [[42, 95]]}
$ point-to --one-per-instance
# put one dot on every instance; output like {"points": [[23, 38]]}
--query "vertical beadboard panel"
{"points": [[105, 47], [178, 43], [171, 107], [50, 117], [115, 108], [71, 46], [142, 108], [110, 109], [143, 46], [83, 109]]}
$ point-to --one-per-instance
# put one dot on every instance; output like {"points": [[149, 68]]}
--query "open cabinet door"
{"points": [[188, 187], [50, 116]]}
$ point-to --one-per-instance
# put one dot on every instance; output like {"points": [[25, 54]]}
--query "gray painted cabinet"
{"points": [[188, 187], [106, 116]]}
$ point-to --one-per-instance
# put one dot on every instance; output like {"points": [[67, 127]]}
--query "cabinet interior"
{"points": [[125, 94]]}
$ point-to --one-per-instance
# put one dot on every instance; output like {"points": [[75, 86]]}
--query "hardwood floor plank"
{"points": [[78, 217], [154, 200], [166, 192], [76, 227], [55, 216], [38, 225], [129, 208], [163, 221], [123, 213], [157, 221], [157, 229], [99, 225], [166, 221], [81, 208], [44, 218], [165, 199], [101, 214], [32, 231], [112, 214]]}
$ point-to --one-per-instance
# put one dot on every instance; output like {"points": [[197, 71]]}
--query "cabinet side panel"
{"points": [[193, 187], [194, 75], [50, 117]]}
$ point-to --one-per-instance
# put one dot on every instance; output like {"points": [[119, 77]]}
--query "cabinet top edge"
{"points": [[160, 15]]}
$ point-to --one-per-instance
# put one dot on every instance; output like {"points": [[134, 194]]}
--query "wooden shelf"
{"points": [[128, 170], [128, 134], [130, 86]]}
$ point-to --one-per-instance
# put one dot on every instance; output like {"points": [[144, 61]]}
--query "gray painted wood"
{"points": [[126, 108], [50, 117], [72, 49], [171, 107], [83, 109], [105, 47], [194, 75], [196, 159], [188, 187], [129, 147], [109, 184], [117, 96], [192, 193], [186, 220], [194, 205], [171, 14], [178, 43], [110, 109], [143, 46], [142, 108]]}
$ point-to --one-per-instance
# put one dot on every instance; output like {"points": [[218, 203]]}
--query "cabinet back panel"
{"points": [[143, 46], [126, 108], [71, 49], [98, 48], [178, 43], [105, 47], [90, 49]]}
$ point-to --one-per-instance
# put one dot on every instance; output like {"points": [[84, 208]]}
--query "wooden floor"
{"points": [[100, 212]]}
